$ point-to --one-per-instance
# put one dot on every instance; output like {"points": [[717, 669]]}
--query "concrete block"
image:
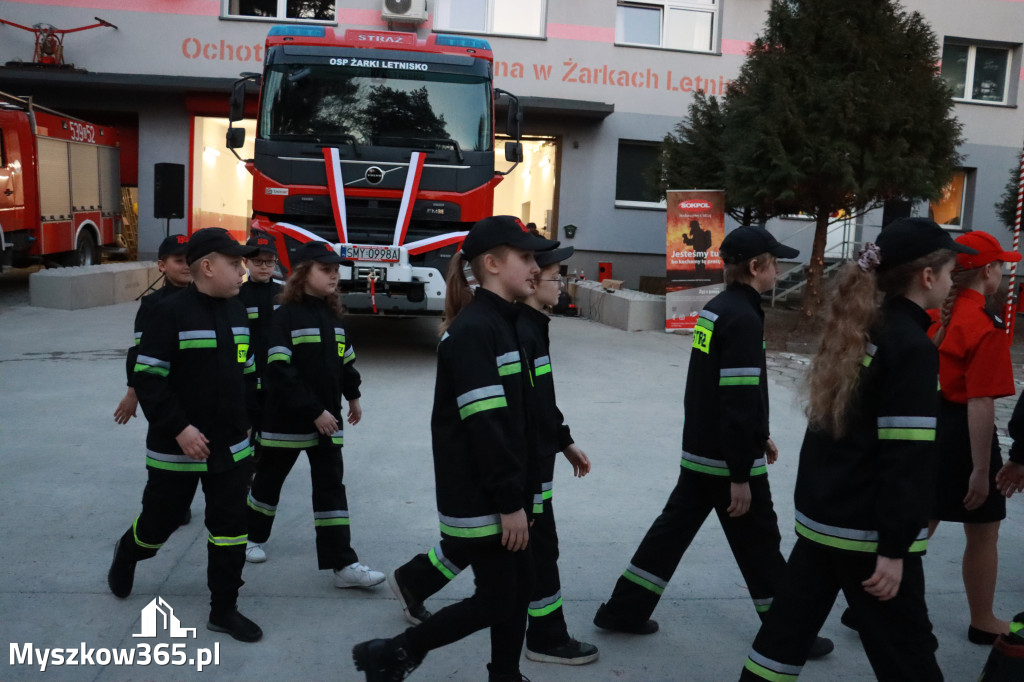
{"points": [[90, 286], [625, 309]]}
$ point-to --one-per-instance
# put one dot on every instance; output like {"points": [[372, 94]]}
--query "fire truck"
{"points": [[380, 143], [60, 186]]}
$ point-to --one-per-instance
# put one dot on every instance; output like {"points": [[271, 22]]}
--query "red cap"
{"points": [[988, 247]]}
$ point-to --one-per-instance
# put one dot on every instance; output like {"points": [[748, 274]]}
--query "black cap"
{"points": [[261, 241], [215, 240], [748, 241], [173, 245], [552, 256], [907, 239], [502, 230], [321, 252]]}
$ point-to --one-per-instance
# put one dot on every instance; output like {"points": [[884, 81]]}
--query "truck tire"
{"points": [[86, 252]]}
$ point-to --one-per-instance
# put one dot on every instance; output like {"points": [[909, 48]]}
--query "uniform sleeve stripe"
{"points": [[907, 434], [907, 422], [198, 334], [482, 406], [740, 372], [309, 331], [739, 381], [240, 330], [480, 394], [541, 361], [708, 315], [508, 358], [152, 362]]}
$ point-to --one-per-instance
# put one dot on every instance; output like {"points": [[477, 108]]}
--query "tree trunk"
{"points": [[816, 269]]}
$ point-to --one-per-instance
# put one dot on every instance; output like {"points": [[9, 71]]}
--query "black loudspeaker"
{"points": [[894, 209], [169, 190]]}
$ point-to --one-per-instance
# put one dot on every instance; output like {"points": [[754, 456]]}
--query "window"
{"points": [[689, 25], [315, 10], [953, 207], [500, 17], [636, 175], [977, 73]]}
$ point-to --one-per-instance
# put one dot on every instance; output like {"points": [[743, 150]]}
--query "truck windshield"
{"points": [[376, 107]]}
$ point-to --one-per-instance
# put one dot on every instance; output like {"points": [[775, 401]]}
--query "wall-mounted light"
{"points": [[207, 149]]}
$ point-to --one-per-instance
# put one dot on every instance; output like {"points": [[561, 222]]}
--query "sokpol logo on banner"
{"points": [[157, 618], [694, 205]]}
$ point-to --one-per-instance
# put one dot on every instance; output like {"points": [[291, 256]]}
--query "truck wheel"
{"points": [[86, 252]]}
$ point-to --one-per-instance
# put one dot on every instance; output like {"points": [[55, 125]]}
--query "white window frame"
{"points": [[712, 7], [281, 16], [966, 201], [440, 11], [972, 52]]}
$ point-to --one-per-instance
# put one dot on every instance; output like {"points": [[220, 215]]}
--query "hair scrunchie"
{"points": [[869, 258]]}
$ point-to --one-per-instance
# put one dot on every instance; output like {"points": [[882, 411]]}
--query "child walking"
{"points": [[189, 376], [309, 368], [726, 447], [481, 456], [974, 369], [864, 485], [547, 636]]}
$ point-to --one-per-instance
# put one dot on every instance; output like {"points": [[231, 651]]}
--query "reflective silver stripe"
{"points": [[338, 331], [538, 498], [508, 358], [262, 505], [172, 459], [309, 331], [198, 334], [138, 335], [836, 531], [350, 352], [251, 361], [336, 514], [871, 349], [253, 309], [545, 360], [546, 601], [445, 561], [720, 463], [708, 315], [906, 422], [338, 434], [276, 306], [647, 576], [774, 666], [443, 337], [152, 362], [547, 486], [763, 602], [239, 446], [470, 521], [239, 330], [740, 372], [288, 436], [479, 394], [284, 350]]}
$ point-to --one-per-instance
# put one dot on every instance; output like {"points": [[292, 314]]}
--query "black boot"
{"points": [[121, 576], [235, 624], [505, 677], [385, 660]]}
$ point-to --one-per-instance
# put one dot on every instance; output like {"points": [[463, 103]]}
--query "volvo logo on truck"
{"points": [[374, 175]]}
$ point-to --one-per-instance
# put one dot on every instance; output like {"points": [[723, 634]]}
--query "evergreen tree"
{"points": [[1006, 209], [838, 107]]}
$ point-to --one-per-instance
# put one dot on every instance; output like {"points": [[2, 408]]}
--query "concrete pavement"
{"points": [[72, 481]]}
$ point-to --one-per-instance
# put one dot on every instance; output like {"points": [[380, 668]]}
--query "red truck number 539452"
{"points": [[83, 132]]}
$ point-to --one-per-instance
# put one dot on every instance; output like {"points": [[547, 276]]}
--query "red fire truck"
{"points": [[380, 143], [60, 186]]}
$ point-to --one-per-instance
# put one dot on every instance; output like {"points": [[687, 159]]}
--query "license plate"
{"points": [[375, 254]]}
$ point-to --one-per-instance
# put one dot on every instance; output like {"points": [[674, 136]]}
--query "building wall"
{"points": [[577, 60]]}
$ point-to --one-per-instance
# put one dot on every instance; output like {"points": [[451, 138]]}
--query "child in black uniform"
{"points": [[190, 381], [310, 367], [258, 295], [171, 262], [481, 456], [863, 489], [726, 447], [547, 637]]}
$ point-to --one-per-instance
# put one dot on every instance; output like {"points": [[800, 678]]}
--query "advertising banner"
{"points": [[695, 229]]}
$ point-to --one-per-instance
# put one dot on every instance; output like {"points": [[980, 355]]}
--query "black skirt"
{"points": [[954, 466]]}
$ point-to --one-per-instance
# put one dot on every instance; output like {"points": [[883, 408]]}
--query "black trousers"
{"points": [[168, 495], [426, 574], [896, 634], [753, 538], [330, 505], [503, 582]]}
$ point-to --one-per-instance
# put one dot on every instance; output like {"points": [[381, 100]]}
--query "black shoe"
{"points": [[414, 610], [571, 652], [979, 636], [186, 519], [507, 677], [236, 625], [822, 646], [849, 620], [606, 620], [384, 660], [121, 575]]}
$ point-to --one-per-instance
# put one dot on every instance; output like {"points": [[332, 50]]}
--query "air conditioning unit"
{"points": [[404, 11]]}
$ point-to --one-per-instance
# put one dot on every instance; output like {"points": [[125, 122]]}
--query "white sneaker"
{"points": [[357, 575], [254, 553]]}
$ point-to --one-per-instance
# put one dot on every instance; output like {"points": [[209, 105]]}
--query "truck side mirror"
{"points": [[236, 105], [235, 138], [514, 152], [514, 120]]}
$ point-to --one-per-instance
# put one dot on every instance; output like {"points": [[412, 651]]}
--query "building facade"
{"points": [[603, 81]]}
